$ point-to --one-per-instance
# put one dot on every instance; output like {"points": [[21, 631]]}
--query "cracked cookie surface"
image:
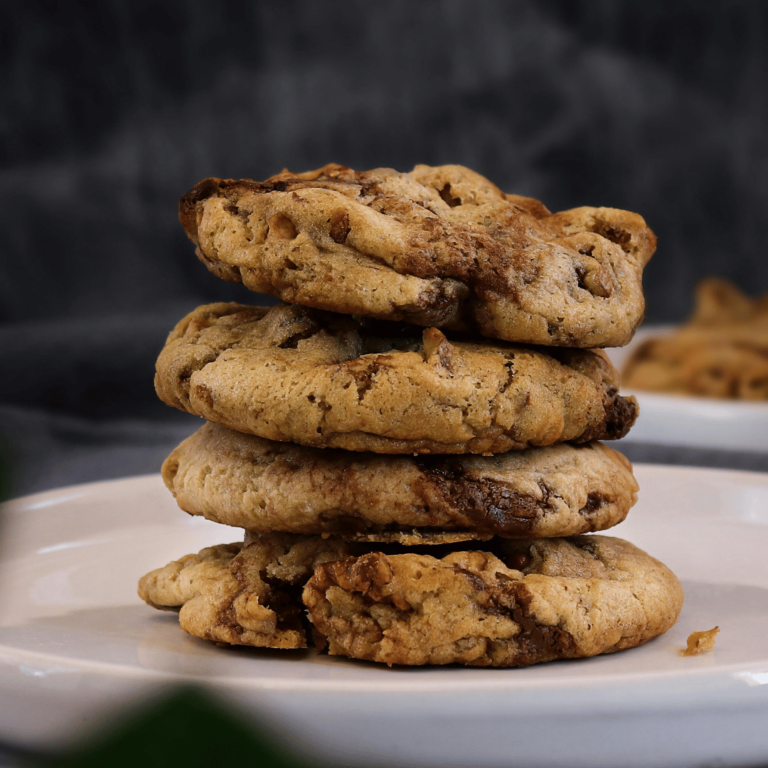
{"points": [[325, 380], [530, 602], [242, 594], [438, 246], [262, 485]]}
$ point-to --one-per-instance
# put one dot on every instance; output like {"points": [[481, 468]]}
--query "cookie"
{"points": [[532, 602], [439, 247], [325, 380], [507, 603], [722, 351], [242, 595], [262, 485], [414, 537], [701, 363]]}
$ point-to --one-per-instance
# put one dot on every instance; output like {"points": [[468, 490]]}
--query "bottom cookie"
{"points": [[243, 594], [513, 603]]}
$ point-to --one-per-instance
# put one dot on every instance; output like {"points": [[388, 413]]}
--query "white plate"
{"points": [[700, 422], [75, 641]]}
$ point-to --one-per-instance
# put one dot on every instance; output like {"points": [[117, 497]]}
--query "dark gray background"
{"points": [[110, 111]]}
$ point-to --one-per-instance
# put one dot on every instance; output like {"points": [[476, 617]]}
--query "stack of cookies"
{"points": [[410, 439]]}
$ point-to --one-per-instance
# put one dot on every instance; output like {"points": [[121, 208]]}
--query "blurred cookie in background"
{"points": [[722, 351]]}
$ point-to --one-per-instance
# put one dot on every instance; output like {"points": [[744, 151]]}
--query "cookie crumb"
{"points": [[700, 642]]}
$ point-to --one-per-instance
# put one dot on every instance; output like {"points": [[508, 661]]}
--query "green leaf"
{"points": [[187, 728]]}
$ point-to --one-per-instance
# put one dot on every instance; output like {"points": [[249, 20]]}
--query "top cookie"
{"points": [[439, 247]]}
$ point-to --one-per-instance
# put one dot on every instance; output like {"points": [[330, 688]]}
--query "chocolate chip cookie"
{"points": [[532, 601], [325, 380], [439, 247], [262, 485], [722, 351], [507, 603], [243, 595]]}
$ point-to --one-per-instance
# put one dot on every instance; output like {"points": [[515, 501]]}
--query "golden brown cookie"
{"points": [[532, 602], [242, 595], [509, 603], [722, 351], [439, 247], [295, 374], [262, 485]]}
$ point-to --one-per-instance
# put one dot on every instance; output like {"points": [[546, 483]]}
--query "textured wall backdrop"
{"points": [[110, 111]]}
